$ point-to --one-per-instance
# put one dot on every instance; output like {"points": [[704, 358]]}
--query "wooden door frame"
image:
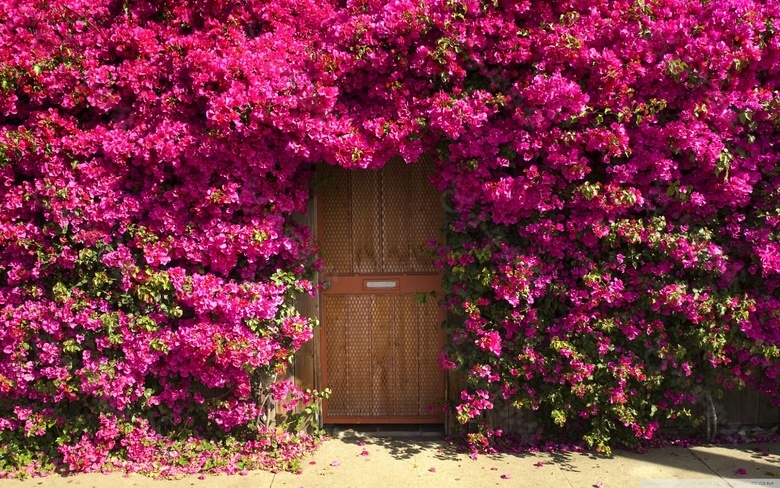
{"points": [[343, 284]]}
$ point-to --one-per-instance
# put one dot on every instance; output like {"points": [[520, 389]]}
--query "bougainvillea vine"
{"points": [[150, 162], [611, 251], [611, 171]]}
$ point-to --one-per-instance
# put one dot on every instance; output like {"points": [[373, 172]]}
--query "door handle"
{"points": [[325, 285]]}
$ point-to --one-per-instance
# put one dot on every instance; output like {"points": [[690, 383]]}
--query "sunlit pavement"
{"points": [[358, 460]]}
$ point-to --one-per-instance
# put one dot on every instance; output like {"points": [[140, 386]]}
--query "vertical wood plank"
{"points": [[731, 407], [336, 214], [425, 216], [366, 214], [455, 385], [304, 364], [359, 354], [748, 412], [430, 372], [395, 217], [335, 338], [383, 356], [408, 356], [767, 413]]}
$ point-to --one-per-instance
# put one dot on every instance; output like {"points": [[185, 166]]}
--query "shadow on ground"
{"points": [[401, 442], [728, 461]]}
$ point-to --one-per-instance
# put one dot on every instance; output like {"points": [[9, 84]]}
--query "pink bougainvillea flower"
{"points": [[742, 471], [610, 183], [539, 464], [506, 476], [432, 470], [335, 464], [598, 484], [361, 443], [364, 452]]}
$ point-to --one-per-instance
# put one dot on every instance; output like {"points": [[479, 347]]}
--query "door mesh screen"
{"points": [[388, 370], [378, 221], [381, 348]]}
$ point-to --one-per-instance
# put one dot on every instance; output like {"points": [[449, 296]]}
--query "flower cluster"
{"points": [[150, 163], [610, 174], [612, 239]]}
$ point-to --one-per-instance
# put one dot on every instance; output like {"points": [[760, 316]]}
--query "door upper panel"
{"points": [[378, 221]]}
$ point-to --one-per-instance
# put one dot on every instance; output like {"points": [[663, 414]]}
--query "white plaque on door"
{"points": [[380, 284]]}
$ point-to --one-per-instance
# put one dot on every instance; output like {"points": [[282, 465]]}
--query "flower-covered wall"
{"points": [[609, 168], [151, 157]]}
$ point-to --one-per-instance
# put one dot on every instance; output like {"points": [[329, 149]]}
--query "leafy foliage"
{"points": [[609, 170], [149, 261]]}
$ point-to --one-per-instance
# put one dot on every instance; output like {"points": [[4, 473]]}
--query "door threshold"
{"points": [[416, 431]]}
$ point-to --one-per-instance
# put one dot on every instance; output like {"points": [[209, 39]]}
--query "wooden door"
{"points": [[381, 334]]}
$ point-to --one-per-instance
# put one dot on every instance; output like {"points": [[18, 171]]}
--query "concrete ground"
{"points": [[356, 460]]}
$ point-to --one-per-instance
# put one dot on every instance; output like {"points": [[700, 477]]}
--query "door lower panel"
{"points": [[381, 358]]}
